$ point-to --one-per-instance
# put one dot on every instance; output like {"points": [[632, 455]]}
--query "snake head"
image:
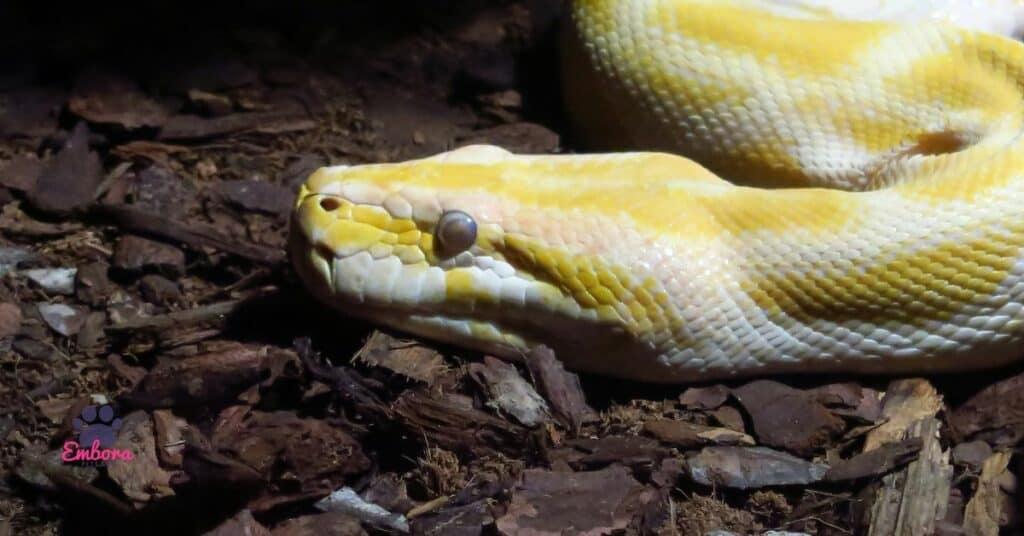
{"points": [[476, 247]]}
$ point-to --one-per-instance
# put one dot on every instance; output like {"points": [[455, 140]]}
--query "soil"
{"points": [[148, 164]]}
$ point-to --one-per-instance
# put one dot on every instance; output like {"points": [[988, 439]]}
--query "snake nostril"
{"points": [[330, 204]]}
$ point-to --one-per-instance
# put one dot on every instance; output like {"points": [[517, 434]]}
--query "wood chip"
{"points": [[21, 172], [134, 254], [986, 512], [258, 196], [448, 423], [689, 435], [325, 524], [627, 450], [169, 431], [194, 235], [875, 462], [141, 479], [788, 418], [704, 398], [751, 468], [106, 98], [10, 319], [301, 457], [594, 502], [206, 379], [68, 182], [996, 413], [405, 357], [509, 393], [191, 127], [912, 500], [560, 388]]}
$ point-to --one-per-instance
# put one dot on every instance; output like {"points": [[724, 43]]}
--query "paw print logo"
{"points": [[97, 423]]}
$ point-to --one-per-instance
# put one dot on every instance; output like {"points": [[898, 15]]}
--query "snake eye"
{"points": [[456, 231]]}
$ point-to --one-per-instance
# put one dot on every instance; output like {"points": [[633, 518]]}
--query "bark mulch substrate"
{"points": [[147, 166]]}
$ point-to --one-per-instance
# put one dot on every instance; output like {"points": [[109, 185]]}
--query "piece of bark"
{"points": [[509, 393], [10, 319], [465, 520], [730, 418], [627, 450], [354, 391], [141, 479], [560, 388], [148, 151], [850, 400], [191, 127], [389, 491], [995, 414], [21, 172], [986, 511], [257, 196], [447, 423], [875, 462], [408, 358], [206, 379], [159, 190], [68, 182], [106, 98], [751, 468], [905, 402], [159, 290], [668, 474], [92, 286], [92, 333], [689, 435], [704, 398], [216, 474], [134, 255], [972, 454], [205, 314], [592, 502], [170, 437], [37, 467], [193, 235], [301, 457], [132, 374], [912, 500], [787, 418], [325, 524]]}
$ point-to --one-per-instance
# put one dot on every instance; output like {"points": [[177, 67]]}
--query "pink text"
{"points": [[73, 452]]}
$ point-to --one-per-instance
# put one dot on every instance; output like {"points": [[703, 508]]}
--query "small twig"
{"points": [[205, 313], [193, 235], [427, 507]]}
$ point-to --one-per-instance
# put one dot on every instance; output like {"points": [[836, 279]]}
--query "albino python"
{"points": [[851, 200]]}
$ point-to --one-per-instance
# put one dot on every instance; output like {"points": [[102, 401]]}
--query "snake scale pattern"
{"points": [[788, 187]]}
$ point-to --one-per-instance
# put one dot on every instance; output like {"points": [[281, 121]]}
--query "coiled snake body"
{"points": [[895, 245]]}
